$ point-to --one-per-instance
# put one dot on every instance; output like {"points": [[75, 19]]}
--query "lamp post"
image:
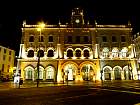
{"points": [[42, 25]]}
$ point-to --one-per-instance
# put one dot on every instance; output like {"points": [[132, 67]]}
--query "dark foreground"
{"points": [[69, 95]]}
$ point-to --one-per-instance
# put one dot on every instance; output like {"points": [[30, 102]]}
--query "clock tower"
{"points": [[77, 18]]}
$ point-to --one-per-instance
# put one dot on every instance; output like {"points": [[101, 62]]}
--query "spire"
{"points": [[59, 22], [129, 23]]}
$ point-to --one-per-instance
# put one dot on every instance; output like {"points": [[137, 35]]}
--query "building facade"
{"points": [[7, 58], [136, 42], [77, 51]]}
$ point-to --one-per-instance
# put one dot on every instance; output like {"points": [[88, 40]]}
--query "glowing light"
{"points": [[73, 57]]}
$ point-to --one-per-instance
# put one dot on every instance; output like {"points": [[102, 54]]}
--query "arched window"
{"points": [[105, 52], [115, 52], [86, 53], [30, 53], [31, 38], [78, 53], [41, 52], [124, 52], [50, 72], [69, 53], [50, 53]]}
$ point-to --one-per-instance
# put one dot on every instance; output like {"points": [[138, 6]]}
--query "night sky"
{"points": [[13, 13]]}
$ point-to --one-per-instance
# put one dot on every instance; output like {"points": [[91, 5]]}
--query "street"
{"points": [[108, 93]]}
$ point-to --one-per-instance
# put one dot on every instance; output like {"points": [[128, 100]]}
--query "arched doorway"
{"points": [[117, 72], [41, 69], [87, 72], [70, 72], [29, 73], [50, 73], [107, 72], [127, 73]]}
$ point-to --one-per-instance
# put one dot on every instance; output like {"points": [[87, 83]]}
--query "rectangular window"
{"points": [[114, 39], [104, 38], [2, 67], [41, 39], [31, 39], [123, 39], [86, 39], [69, 39], [50, 38], [77, 39], [8, 68], [4, 50], [4, 57], [9, 59], [9, 52]]}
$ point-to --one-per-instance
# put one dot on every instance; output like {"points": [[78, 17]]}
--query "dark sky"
{"points": [[104, 11]]}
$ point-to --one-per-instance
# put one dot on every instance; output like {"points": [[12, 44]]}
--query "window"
{"points": [[2, 67], [104, 38], [105, 52], [4, 57], [30, 53], [86, 39], [41, 52], [31, 39], [77, 39], [50, 38], [69, 53], [41, 39], [9, 59], [50, 53], [9, 52], [114, 39], [78, 53], [69, 39], [4, 50], [86, 53], [8, 68], [123, 39]]}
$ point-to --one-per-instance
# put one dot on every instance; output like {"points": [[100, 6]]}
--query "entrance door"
{"points": [[117, 74], [70, 74]]}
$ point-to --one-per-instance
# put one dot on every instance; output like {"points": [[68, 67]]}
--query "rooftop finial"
{"points": [[59, 22], [24, 23]]}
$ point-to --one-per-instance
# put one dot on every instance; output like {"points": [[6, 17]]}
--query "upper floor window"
{"points": [[50, 38], [50, 53], [123, 39], [41, 39], [69, 39], [8, 68], [2, 67], [78, 39], [31, 38], [78, 53], [86, 53], [114, 39], [86, 39], [30, 53], [10, 52], [115, 52], [105, 52], [4, 57], [40, 53], [104, 38], [69, 53], [9, 59], [4, 50]]}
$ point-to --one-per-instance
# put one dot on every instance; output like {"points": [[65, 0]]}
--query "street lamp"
{"points": [[41, 26]]}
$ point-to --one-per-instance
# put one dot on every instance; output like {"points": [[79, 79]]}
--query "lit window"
{"points": [[105, 52], [115, 52]]}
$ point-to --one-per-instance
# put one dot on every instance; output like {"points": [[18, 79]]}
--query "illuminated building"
{"points": [[7, 57], [77, 51], [136, 41]]}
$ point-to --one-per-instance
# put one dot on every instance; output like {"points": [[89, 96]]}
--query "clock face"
{"points": [[77, 20]]}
